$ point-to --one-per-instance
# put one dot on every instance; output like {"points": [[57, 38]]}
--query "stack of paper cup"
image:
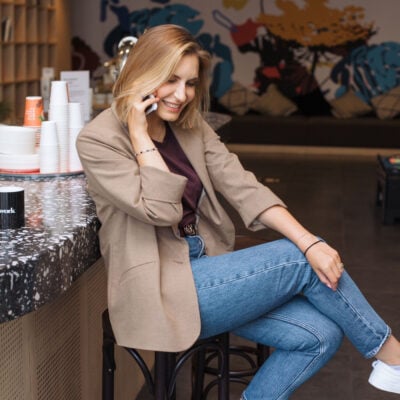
{"points": [[33, 116], [75, 114], [49, 150], [58, 112]]}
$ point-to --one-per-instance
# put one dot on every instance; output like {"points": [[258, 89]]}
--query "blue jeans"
{"points": [[269, 294]]}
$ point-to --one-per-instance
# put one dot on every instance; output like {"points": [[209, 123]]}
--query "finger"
{"points": [[326, 281], [336, 265], [332, 275], [149, 100], [337, 270]]}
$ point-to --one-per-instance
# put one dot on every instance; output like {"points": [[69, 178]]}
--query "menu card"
{"points": [[79, 89]]}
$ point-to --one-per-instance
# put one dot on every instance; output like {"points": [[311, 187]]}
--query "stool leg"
{"points": [[171, 364], [163, 362], [198, 365], [108, 369], [223, 387], [108, 358], [262, 354]]}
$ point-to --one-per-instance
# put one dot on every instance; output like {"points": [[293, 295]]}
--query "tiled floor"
{"points": [[334, 196]]}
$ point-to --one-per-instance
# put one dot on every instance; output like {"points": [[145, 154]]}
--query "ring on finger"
{"points": [[341, 267]]}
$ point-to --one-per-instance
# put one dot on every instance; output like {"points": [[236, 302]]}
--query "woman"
{"points": [[167, 242]]}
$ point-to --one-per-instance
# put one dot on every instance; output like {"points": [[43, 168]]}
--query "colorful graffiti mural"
{"points": [[302, 47], [292, 44], [369, 70], [135, 22]]}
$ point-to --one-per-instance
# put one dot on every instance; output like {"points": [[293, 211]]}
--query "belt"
{"points": [[188, 230]]}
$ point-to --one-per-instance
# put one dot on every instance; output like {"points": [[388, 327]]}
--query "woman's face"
{"points": [[179, 90]]}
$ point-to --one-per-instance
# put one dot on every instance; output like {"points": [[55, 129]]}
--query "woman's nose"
{"points": [[180, 92]]}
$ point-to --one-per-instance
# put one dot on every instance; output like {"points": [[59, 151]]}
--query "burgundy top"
{"points": [[178, 163]]}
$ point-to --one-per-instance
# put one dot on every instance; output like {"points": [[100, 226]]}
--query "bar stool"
{"points": [[204, 360], [166, 367]]}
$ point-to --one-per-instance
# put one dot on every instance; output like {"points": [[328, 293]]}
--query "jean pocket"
{"points": [[196, 246]]}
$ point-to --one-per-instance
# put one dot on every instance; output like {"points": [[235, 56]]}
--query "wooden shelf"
{"points": [[31, 31]]}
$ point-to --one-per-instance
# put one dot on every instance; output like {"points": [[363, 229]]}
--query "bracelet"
{"points": [[144, 151], [311, 245]]}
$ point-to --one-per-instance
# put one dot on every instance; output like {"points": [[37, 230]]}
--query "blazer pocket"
{"points": [[135, 271]]}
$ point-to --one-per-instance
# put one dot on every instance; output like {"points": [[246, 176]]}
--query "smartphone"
{"points": [[151, 108]]}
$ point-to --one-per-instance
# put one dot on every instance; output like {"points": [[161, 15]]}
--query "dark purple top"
{"points": [[178, 163]]}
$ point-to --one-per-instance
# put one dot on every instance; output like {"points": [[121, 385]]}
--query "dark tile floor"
{"points": [[334, 196]]}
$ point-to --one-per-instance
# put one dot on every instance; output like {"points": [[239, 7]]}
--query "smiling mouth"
{"points": [[175, 107]]}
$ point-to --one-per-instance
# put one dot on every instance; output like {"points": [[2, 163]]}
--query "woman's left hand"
{"points": [[326, 263], [324, 260]]}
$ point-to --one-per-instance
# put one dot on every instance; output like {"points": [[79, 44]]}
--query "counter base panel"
{"points": [[55, 352]]}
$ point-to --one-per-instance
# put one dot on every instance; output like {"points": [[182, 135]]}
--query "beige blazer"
{"points": [[152, 299]]}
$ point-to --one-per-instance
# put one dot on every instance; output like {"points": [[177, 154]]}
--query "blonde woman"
{"points": [[167, 242]]}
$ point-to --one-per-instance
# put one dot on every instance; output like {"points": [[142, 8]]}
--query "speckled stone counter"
{"points": [[58, 243]]}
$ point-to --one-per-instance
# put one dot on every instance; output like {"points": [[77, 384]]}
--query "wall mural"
{"points": [[302, 47], [135, 22]]}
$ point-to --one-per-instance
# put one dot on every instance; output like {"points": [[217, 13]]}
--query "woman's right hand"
{"points": [[137, 119], [142, 143]]}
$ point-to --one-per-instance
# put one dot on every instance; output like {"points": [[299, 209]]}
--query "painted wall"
{"points": [[301, 45]]}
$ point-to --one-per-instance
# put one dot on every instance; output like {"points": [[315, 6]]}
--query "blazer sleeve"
{"points": [[114, 177], [238, 186]]}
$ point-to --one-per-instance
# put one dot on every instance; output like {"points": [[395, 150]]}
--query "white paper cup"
{"points": [[48, 134], [75, 115], [59, 93], [49, 159], [63, 154], [74, 160], [58, 112], [75, 163]]}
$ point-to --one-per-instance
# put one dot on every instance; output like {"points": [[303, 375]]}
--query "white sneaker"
{"points": [[385, 378]]}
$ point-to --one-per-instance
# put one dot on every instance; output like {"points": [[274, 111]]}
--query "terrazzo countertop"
{"points": [[58, 243]]}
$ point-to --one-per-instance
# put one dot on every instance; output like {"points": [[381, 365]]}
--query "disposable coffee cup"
{"points": [[48, 135], [12, 207], [59, 93], [34, 115], [75, 115], [33, 111]]}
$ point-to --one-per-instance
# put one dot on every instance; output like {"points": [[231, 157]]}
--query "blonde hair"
{"points": [[152, 61]]}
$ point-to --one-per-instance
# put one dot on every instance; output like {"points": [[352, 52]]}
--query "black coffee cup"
{"points": [[12, 207]]}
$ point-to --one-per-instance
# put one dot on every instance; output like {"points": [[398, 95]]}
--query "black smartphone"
{"points": [[151, 108]]}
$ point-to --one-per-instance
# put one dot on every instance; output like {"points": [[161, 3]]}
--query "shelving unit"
{"points": [[32, 32]]}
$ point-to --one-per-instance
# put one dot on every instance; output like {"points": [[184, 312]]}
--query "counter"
{"points": [[58, 243]]}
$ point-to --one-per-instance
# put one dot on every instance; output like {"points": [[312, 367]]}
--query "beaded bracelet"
{"points": [[145, 151], [311, 245]]}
